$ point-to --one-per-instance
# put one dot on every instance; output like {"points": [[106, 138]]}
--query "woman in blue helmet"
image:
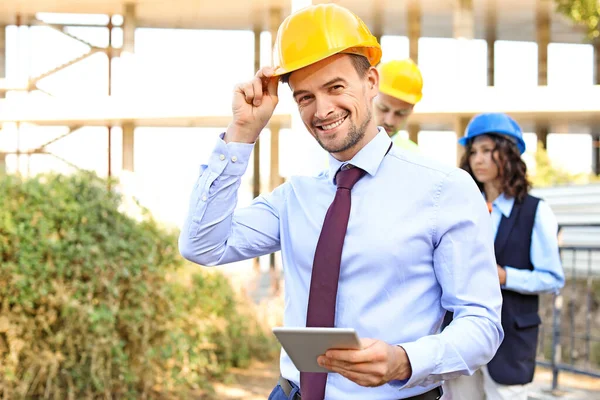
{"points": [[527, 256]]}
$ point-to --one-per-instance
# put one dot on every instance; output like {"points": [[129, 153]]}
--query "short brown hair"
{"points": [[361, 65]]}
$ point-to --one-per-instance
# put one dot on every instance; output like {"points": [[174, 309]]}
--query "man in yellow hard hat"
{"points": [[383, 242], [400, 89]]}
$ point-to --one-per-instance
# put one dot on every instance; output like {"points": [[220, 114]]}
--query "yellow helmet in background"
{"points": [[320, 31], [401, 79]]}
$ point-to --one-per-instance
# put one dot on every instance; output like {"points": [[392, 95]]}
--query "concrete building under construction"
{"points": [[26, 103]]}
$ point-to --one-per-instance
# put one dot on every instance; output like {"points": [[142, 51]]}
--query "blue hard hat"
{"points": [[494, 123]]}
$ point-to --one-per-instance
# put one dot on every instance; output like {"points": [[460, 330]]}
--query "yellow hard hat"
{"points": [[319, 31], [401, 79]]}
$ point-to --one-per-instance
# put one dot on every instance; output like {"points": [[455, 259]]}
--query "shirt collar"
{"points": [[504, 204], [369, 158]]}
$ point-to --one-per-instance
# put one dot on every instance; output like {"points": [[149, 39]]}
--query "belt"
{"points": [[433, 394]]}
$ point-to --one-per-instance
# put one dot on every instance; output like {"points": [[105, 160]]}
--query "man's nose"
{"points": [[324, 108], [389, 119]]}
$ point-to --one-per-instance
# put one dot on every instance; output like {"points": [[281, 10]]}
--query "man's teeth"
{"points": [[334, 125]]}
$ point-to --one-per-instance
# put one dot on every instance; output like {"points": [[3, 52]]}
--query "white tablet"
{"points": [[305, 345]]}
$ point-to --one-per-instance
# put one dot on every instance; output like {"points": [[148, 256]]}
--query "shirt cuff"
{"points": [[230, 158], [511, 278], [423, 361]]}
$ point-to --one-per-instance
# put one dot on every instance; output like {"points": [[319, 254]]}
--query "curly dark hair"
{"points": [[511, 167]]}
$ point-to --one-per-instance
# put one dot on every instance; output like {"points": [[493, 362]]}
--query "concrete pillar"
{"points": [[275, 17], [463, 31], [414, 29], [542, 24], [256, 151], [541, 131], [463, 21], [2, 57], [597, 62], [275, 179], [109, 54], [596, 153], [596, 136], [110, 157], [378, 21], [2, 163], [2, 51], [460, 124], [256, 160], [490, 37], [129, 25], [414, 33], [128, 140], [413, 132]]}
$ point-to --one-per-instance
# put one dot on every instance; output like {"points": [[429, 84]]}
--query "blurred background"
{"points": [[138, 91]]}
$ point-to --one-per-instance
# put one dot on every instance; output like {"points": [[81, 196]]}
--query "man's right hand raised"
{"points": [[253, 105]]}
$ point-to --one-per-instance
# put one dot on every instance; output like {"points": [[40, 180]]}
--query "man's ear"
{"points": [[373, 82]]}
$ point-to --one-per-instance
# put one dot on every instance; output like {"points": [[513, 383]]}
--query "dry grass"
{"points": [[258, 380], [254, 383]]}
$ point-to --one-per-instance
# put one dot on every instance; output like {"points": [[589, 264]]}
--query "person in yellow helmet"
{"points": [[400, 89], [384, 241]]}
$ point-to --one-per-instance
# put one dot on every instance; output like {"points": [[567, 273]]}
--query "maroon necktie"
{"points": [[326, 272]]}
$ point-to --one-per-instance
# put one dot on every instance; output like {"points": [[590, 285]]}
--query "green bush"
{"points": [[546, 174], [92, 303]]}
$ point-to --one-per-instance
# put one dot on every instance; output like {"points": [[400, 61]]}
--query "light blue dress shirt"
{"points": [[547, 274], [419, 242]]}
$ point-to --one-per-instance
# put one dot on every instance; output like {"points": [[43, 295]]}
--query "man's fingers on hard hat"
{"points": [[257, 87], [265, 72], [271, 85], [247, 91]]}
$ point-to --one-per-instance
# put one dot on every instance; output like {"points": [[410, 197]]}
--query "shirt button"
{"points": [[222, 157], [204, 198], [234, 158]]}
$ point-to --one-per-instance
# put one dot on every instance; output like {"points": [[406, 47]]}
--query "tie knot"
{"points": [[346, 178]]}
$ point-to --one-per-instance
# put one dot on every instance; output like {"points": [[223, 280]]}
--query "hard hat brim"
{"points": [[463, 141], [398, 94], [370, 50]]}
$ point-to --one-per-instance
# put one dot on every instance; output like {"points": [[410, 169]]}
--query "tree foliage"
{"points": [[90, 308], [547, 174], [582, 12]]}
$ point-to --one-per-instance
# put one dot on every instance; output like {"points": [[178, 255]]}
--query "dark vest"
{"points": [[514, 362]]}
